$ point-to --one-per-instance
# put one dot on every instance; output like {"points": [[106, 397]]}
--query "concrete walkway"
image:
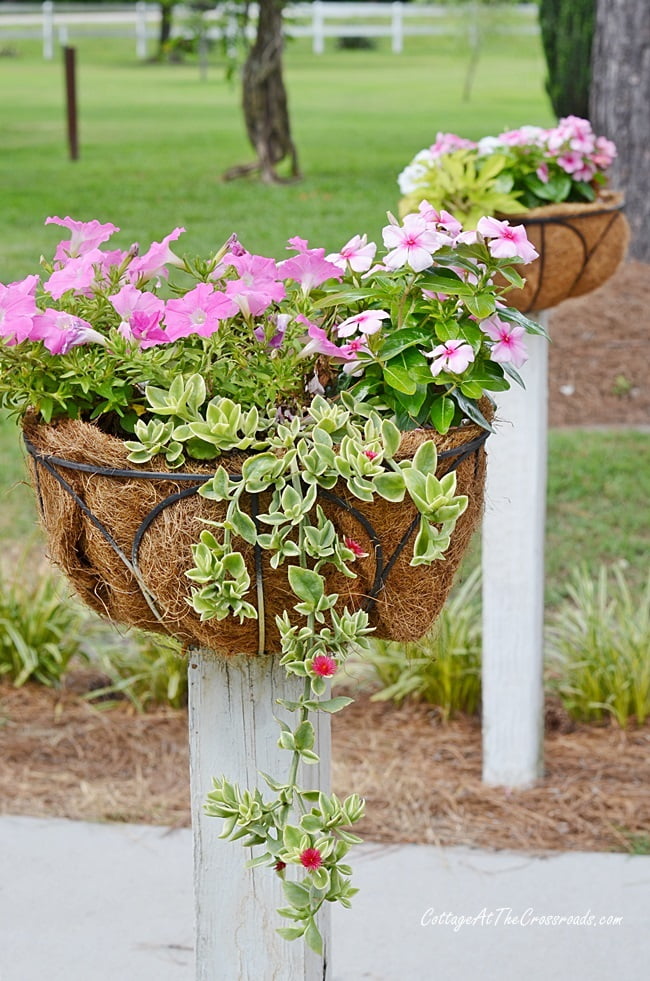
{"points": [[93, 902]]}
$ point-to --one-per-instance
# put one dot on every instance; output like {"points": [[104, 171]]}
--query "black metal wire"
{"points": [[382, 568]]}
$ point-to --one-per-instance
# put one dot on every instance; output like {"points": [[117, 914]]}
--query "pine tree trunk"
{"points": [[265, 99], [620, 105]]}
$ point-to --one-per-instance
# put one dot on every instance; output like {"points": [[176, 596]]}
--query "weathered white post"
{"points": [[513, 577], [141, 29], [318, 27], [397, 27], [48, 29], [233, 733]]}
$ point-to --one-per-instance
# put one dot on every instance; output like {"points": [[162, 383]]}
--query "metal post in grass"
{"points": [[69, 61], [232, 710], [513, 577]]}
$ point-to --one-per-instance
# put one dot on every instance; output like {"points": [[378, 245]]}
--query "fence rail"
{"points": [[58, 22]]}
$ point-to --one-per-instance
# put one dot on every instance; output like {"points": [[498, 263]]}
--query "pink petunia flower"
{"points": [[319, 342], [86, 237], [78, 274], [453, 356], [130, 300], [298, 244], [310, 269], [324, 666], [509, 347], [358, 254], [17, 311], [198, 312], [258, 286], [412, 243], [61, 331], [311, 859], [366, 322], [157, 257], [506, 240], [145, 329], [571, 162]]}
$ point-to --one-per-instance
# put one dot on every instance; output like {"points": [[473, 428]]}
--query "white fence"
{"points": [[319, 21]]}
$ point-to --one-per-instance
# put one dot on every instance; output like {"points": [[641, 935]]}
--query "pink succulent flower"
{"points": [[324, 666], [311, 859], [358, 253], [506, 240], [509, 347], [86, 236], [366, 322], [453, 356], [198, 312], [354, 547], [157, 257]]}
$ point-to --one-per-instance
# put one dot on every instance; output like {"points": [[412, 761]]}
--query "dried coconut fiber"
{"points": [[580, 246], [138, 577]]}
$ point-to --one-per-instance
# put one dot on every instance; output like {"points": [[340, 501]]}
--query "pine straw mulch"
{"points": [[62, 757]]}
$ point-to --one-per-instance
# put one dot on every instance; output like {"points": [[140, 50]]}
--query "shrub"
{"points": [[40, 628], [444, 668], [598, 649], [147, 669]]}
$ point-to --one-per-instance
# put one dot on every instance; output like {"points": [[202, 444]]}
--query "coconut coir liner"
{"points": [[406, 605], [580, 246]]}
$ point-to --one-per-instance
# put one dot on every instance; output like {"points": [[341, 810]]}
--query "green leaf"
{"points": [[482, 305], [401, 339], [442, 413], [446, 281], [398, 377], [313, 937], [306, 584], [426, 457], [304, 736], [290, 933], [291, 835], [470, 409], [335, 704], [296, 893], [243, 526]]}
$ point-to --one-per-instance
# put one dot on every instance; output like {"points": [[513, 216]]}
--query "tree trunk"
{"points": [[166, 12], [620, 101], [265, 99]]}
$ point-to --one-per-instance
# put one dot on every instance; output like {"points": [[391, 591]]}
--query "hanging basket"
{"points": [[123, 535], [580, 246]]}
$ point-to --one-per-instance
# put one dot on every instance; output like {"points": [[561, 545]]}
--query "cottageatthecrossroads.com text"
{"points": [[505, 916]]}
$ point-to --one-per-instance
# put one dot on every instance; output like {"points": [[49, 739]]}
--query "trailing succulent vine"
{"points": [[335, 441]]}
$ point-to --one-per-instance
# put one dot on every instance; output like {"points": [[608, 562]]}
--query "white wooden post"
{"points": [[397, 27], [318, 27], [48, 29], [141, 29], [513, 577], [233, 733]]}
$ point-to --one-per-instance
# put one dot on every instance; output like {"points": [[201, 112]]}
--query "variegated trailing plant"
{"points": [[311, 367]]}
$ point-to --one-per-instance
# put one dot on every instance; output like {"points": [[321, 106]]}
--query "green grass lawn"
{"points": [[155, 139]]}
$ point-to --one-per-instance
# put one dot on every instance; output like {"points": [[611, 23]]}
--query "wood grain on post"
{"points": [[513, 577], [233, 733]]}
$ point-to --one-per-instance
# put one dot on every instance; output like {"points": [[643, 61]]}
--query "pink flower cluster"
{"points": [[571, 146], [245, 287]]}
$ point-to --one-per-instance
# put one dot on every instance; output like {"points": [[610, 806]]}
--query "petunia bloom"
{"points": [[453, 356], [258, 285], [17, 311], [61, 331], [310, 269], [509, 347], [505, 240], [319, 342], [198, 312], [155, 260], [86, 236]]}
